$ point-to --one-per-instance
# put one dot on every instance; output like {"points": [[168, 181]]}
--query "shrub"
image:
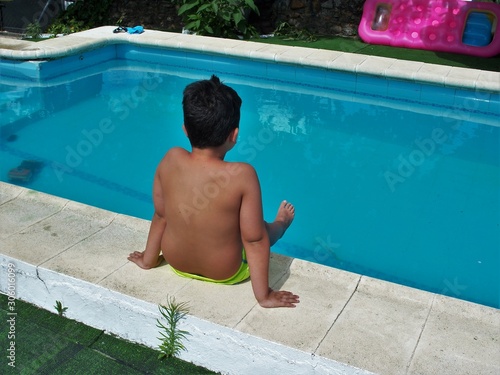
{"points": [[33, 30], [219, 18], [65, 27], [81, 15], [91, 13]]}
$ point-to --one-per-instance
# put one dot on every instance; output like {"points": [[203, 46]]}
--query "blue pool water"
{"points": [[396, 181]]}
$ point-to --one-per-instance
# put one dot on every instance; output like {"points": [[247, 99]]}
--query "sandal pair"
{"points": [[130, 30]]}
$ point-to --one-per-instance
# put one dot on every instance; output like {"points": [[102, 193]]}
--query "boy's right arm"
{"points": [[256, 243], [150, 257]]}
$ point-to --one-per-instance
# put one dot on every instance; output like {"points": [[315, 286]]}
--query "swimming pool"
{"points": [[394, 180]]}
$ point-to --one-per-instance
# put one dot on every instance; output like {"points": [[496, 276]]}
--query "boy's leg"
{"points": [[284, 217]]}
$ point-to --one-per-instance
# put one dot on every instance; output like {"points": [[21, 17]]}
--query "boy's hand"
{"points": [[280, 298], [138, 258]]}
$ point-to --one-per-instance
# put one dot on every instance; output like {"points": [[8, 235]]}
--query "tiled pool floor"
{"points": [[345, 324]]}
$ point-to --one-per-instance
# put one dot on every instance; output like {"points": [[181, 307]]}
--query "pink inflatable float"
{"points": [[440, 25]]}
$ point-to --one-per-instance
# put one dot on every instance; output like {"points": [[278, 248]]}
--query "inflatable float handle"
{"points": [[381, 19]]}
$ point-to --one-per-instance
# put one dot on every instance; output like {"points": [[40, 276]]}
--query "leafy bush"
{"points": [[288, 32], [220, 18], [65, 27], [33, 30], [81, 15], [92, 13]]}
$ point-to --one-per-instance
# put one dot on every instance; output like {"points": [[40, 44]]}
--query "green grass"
{"points": [[355, 45], [49, 344]]}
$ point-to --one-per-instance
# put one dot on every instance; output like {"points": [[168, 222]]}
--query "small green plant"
{"points": [[33, 30], [171, 336], [65, 27], [59, 308], [219, 18], [288, 32]]}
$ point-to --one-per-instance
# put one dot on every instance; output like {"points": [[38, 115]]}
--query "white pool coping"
{"points": [[345, 324]]}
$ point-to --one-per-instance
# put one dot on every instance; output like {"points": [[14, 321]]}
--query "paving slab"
{"points": [[222, 304], [109, 245], [231, 302], [15, 44], [458, 338], [324, 293], [8, 192], [379, 328], [155, 285], [25, 210], [52, 228]]}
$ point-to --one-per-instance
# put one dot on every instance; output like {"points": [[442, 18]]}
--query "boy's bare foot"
{"points": [[285, 215]]}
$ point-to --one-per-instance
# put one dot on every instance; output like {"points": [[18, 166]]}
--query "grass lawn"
{"points": [[46, 343], [354, 45]]}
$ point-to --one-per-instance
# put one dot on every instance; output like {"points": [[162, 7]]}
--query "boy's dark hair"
{"points": [[211, 111]]}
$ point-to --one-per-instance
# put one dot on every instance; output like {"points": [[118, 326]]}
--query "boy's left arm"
{"points": [[256, 243], [151, 257]]}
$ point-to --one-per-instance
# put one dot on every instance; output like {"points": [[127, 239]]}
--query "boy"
{"points": [[208, 210]]}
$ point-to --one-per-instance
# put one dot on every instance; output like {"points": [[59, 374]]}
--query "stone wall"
{"points": [[152, 14], [319, 17]]}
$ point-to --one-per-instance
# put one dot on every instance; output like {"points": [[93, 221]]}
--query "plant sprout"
{"points": [[59, 308], [171, 336]]}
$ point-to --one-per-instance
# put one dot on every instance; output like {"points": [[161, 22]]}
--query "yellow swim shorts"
{"points": [[242, 274]]}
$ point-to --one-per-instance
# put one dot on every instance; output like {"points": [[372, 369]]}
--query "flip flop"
{"points": [[135, 30], [120, 29]]}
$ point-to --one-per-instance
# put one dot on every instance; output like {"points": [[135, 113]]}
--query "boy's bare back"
{"points": [[202, 203]]}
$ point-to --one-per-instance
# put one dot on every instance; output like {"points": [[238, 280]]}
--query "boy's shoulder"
{"points": [[175, 151], [235, 168], [232, 167]]}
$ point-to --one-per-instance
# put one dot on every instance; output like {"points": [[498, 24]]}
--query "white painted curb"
{"points": [[210, 345]]}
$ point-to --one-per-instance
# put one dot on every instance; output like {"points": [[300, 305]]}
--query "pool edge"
{"points": [[341, 61]]}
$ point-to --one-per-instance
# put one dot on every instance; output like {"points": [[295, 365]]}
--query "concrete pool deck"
{"points": [[345, 324]]}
